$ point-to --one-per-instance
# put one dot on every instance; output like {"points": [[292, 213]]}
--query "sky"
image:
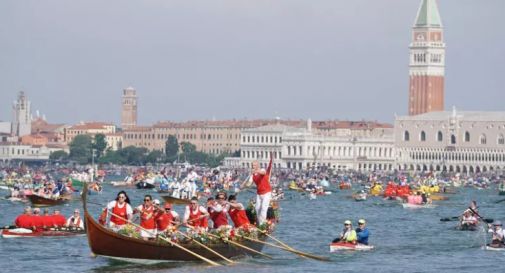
{"points": [[224, 59]]}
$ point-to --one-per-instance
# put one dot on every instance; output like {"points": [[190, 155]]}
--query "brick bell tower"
{"points": [[427, 61]]}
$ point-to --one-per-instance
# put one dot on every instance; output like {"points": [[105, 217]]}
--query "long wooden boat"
{"points": [[26, 233], [175, 201], [106, 243], [40, 201]]}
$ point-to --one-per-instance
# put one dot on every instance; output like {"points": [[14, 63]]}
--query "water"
{"points": [[406, 240]]}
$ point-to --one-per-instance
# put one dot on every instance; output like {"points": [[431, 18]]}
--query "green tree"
{"points": [[59, 155], [80, 149], [100, 144], [171, 146], [188, 148], [154, 156], [134, 155]]}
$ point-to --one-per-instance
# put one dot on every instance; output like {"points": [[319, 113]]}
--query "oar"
{"points": [[448, 219], [169, 241], [287, 249], [236, 244], [499, 201], [206, 247], [486, 220]]}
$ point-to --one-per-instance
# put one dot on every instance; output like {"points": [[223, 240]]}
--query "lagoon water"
{"points": [[406, 240]]}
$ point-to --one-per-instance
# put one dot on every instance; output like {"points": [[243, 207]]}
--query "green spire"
{"points": [[428, 15]]}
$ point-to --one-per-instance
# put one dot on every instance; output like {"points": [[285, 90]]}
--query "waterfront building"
{"points": [[129, 108], [88, 128], [457, 141], [427, 61], [365, 146], [10, 151]]}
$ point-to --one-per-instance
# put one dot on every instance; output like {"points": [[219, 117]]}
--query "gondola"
{"points": [[144, 185], [40, 201], [106, 243]]}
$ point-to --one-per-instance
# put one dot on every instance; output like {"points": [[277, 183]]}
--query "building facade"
{"points": [[88, 128], [10, 151], [129, 108], [427, 61], [21, 123], [364, 148], [466, 142]]}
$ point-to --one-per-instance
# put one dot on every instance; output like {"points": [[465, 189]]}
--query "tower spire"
{"points": [[428, 15]]}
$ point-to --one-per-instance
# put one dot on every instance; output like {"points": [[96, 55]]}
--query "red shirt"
{"points": [[147, 217], [239, 217], [194, 215], [219, 218], [48, 220], [24, 221], [119, 212], [59, 220], [263, 181], [37, 221], [163, 220]]}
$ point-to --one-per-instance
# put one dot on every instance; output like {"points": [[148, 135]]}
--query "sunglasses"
{"points": [[146, 200], [122, 196]]}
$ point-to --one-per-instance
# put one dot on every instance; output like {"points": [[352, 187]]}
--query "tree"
{"points": [[100, 144], [59, 155], [154, 156], [133, 155], [171, 146], [188, 148], [80, 149]]}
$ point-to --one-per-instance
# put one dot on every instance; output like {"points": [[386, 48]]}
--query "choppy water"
{"points": [[406, 240]]}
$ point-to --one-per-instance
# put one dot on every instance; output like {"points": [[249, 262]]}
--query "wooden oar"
{"points": [[206, 247], [169, 241], [237, 244], [499, 201], [287, 249]]}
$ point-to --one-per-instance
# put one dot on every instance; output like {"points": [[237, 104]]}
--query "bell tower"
{"points": [[427, 61], [129, 108]]}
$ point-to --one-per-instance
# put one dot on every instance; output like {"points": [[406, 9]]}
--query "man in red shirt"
{"points": [[58, 219], [37, 220], [47, 220], [25, 220], [165, 217], [261, 178]]}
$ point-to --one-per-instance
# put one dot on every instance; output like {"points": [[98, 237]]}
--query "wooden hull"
{"points": [[175, 201], [104, 242], [39, 201]]}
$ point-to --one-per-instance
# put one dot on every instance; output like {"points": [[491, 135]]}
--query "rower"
{"points": [[58, 219], [348, 235], [261, 178], [498, 239], [196, 215], [468, 219], [121, 212], [362, 232], [75, 221], [165, 218], [147, 222], [218, 211], [237, 213], [25, 220], [37, 219], [47, 220]]}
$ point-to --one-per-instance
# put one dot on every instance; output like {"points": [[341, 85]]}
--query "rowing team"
{"points": [[354, 236], [155, 219], [33, 220]]}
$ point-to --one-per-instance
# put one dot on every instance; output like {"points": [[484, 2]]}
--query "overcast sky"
{"points": [[188, 59]]}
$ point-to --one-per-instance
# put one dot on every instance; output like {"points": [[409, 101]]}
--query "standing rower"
{"points": [[261, 178], [121, 212]]}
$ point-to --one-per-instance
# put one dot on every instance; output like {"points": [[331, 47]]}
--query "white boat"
{"points": [[494, 248], [414, 206], [334, 247]]}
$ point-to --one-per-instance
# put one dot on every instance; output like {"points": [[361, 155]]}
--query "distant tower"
{"points": [[21, 124], [129, 111], [427, 61]]}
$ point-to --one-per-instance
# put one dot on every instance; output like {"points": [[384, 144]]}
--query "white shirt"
{"points": [[72, 221]]}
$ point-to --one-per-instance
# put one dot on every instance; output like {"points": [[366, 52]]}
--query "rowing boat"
{"points": [[468, 227], [334, 247], [414, 206], [492, 248], [40, 201], [106, 243], [175, 201], [27, 233]]}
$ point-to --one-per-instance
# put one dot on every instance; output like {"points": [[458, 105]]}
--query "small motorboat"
{"points": [[415, 206], [334, 247], [24, 233]]}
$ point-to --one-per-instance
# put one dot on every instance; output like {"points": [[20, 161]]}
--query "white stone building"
{"points": [[303, 148], [465, 142], [17, 151]]}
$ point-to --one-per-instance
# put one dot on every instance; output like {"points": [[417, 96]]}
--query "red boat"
{"points": [[22, 232]]}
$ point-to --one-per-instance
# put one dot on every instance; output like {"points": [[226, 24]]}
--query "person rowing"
{"points": [[362, 232], [147, 215], [218, 210], [75, 221], [196, 215], [25, 220], [237, 213], [498, 239], [121, 212], [165, 218], [468, 220], [348, 235]]}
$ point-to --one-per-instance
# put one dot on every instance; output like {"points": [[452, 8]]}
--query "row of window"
{"points": [[260, 155], [440, 137], [180, 137], [340, 151], [262, 139], [457, 156]]}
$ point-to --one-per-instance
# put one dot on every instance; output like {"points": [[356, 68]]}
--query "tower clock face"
{"points": [[420, 37]]}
